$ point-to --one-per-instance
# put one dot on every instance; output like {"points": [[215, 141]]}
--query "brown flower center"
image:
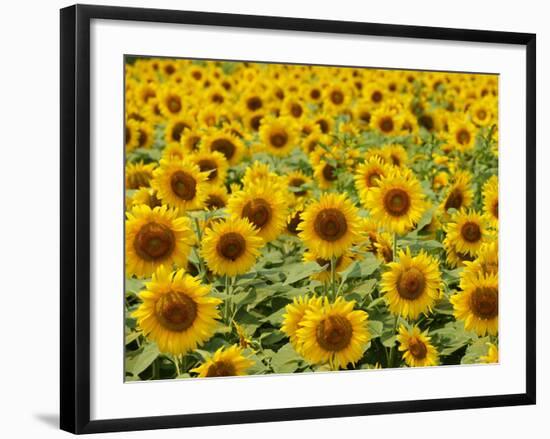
{"points": [[176, 311], [127, 135], [258, 211], [254, 103], [177, 130], [484, 302], [376, 96], [329, 173], [278, 139], [214, 202], [330, 224], [323, 124], [225, 146], [365, 116], [296, 110], [255, 122], [481, 114], [221, 369], [138, 179], [386, 124], [337, 97], [142, 138], [292, 225], [231, 245], [397, 202], [463, 136], [411, 284], [173, 103], [297, 183], [427, 122], [372, 178], [327, 262], [417, 348], [315, 93], [495, 209], [334, 333], [471, 232], [454, 200], [154, 241], [209, 166], [183, 185]]}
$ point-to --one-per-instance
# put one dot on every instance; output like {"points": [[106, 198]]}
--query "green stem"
{"points": [[333, 276], [393, 352], [227, 301], [176, 363], [202, 269]]}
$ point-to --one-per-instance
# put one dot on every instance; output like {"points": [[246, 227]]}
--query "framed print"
{"points": [[268, 218]]}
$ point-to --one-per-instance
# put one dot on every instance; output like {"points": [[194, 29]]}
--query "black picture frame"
{"points": [[75, 217]]}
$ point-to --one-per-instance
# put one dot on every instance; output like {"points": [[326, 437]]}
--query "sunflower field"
{"points": [[296, 218]]}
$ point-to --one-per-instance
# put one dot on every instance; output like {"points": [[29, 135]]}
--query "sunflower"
{"points": [[293, 108], [462, 134], [411, 285], [263, 207], [297, 183], [385, 121], [191, 139], [396, 155], [313, 140], [325, 174], [467, 231], [330, 226], [459, 195], [368, 175], [216, 197], [383, 247], [139, 175], [485, 263], [481, 112], [224, 142], [176, 311], [180, 184], [336, 98], [146, 196], [333, 334], [294, 218], [174, 151], [131, 135], [231, 247], [156, 236], [492, 354], [260, 174], [416, 347], [176, 127], [213, 164], [341, 263], [171, 103], [225, 362], [453, 257], [278, 135], [490, 200], [477, 304], [295, 313], [397, 203]]}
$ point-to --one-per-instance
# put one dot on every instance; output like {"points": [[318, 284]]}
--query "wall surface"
{"points": [[29, 217]]}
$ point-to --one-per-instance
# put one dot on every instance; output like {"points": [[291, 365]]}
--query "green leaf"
{"points": [[134, 285], [142, 359], [375, 328], [299, 271], [285, 360]]}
